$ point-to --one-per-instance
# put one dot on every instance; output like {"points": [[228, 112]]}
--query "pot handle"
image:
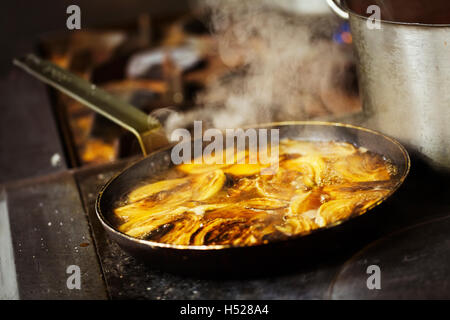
{"points": [[146, 128], [337, 7]]}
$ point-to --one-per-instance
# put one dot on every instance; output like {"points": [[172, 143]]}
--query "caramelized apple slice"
{"points": [[245, 170], [335, 210], [264, 204], [148, 221], [297, 225], [207, 185], [211, 163], [361, 168], [312, 168], [153, 188], [304, 201]]}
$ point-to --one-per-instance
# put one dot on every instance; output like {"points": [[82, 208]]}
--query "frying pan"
{"points": [[223, 259]]}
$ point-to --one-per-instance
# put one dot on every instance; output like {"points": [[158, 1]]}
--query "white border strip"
{"points": [[8, 279]]}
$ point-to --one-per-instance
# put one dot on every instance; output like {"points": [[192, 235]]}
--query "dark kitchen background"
{"points": [[179, 61], [27, 132], [192, 72]]}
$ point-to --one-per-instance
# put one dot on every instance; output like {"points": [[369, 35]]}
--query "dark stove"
{"points": [[53, 225]]}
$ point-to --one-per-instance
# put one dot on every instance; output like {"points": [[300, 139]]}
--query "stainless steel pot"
{"points": [[404, 76]]}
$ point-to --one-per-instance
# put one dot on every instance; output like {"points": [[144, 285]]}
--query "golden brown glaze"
{"points": [[316, 184]]}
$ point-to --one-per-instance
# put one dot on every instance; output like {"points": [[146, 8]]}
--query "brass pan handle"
{"points": [[146, 128]]}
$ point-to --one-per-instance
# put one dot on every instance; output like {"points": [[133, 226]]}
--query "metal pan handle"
{"points": [[146, 128], [337, 7]]}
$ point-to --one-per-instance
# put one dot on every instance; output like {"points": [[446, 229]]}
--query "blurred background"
{"points": [[228, 63]]}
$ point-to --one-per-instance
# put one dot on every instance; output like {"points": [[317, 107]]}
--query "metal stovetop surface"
{"points": [[53, 225]]}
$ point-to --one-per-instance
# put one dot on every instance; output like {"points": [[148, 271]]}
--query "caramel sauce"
{"points": [[316, 184]]}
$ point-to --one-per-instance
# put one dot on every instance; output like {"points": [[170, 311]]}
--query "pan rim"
{"points": [[153, 244]]}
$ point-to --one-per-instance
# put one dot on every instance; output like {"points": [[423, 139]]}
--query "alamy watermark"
{"points": [[74, 19], [374, 20], [231, 141], [374, 280], [74, 280]]}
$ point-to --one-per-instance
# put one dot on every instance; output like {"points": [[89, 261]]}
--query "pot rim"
{"points": [[352, 13]]}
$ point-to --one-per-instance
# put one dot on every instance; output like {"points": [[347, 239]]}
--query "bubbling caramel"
{"points": [[317, 184]]}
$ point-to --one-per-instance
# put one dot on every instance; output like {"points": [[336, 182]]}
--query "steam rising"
{"points": [[282, 68]]}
